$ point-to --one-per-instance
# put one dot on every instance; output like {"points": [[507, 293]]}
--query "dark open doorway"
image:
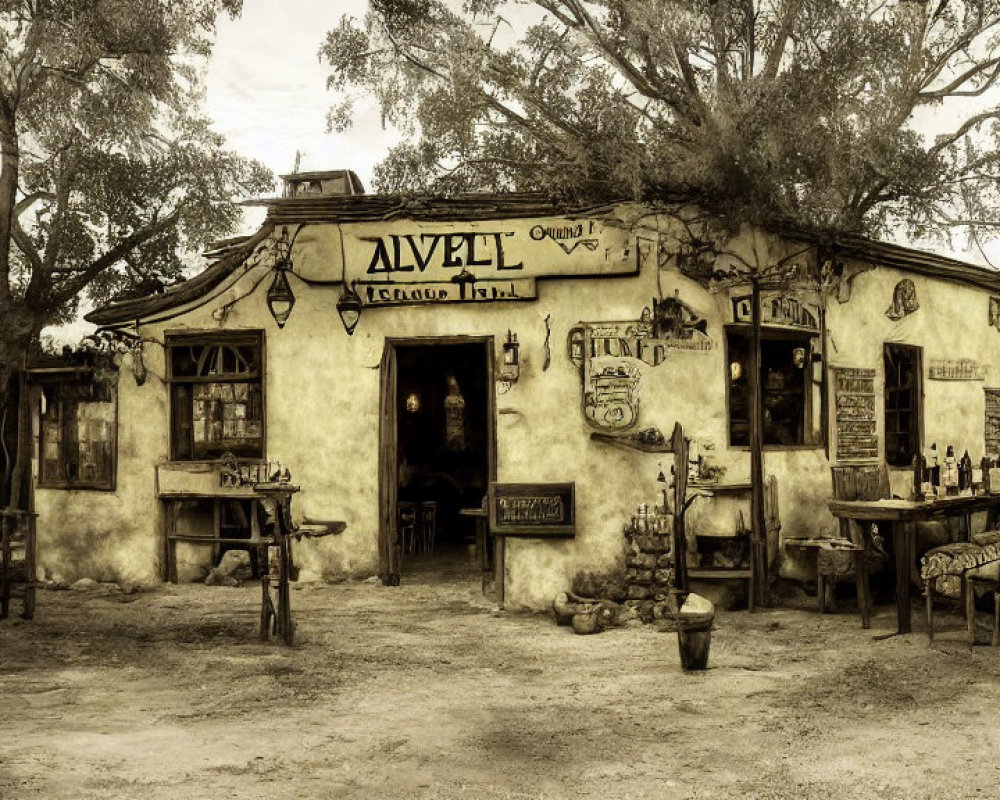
{"points": [[438, 439]]}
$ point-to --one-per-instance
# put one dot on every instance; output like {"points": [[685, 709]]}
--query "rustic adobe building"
{"points": [[502, 338]]}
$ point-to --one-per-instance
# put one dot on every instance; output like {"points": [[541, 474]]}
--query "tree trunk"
{"points": [[18, 334], [10, 160]]}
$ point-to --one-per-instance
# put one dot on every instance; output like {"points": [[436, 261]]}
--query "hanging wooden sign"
{"points": [[855, 414]]}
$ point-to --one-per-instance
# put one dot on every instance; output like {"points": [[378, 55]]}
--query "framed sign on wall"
{"points": [[532, 509]]}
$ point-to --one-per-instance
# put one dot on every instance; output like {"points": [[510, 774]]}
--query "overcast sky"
{"points": [[266, 89]]}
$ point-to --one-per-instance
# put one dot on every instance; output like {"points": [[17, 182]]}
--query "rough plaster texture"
{"points": [[322, 396]]}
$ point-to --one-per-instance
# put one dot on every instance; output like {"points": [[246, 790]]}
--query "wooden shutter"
{"points": [[389, 546]]}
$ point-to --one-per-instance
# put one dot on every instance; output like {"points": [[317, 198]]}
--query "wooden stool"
{"points": [[971, 581]]}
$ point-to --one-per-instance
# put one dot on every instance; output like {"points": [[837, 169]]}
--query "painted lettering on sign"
{"points": [[563, 234], [855, 410], [414, 253], [456, 291], [530, 510]]}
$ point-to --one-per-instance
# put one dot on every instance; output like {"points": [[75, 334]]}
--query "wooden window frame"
{"points": [[249, 337], [915, 432], [58, 379], [813, 422]]}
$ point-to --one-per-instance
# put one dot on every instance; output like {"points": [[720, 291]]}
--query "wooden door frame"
{"points": [[389, 548]]}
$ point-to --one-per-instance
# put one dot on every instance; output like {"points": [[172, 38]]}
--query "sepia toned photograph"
{"points": [[499, 399]]}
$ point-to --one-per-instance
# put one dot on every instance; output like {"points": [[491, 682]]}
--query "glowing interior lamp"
{"points": [[279, 296], [349, 307], [735, 370]]}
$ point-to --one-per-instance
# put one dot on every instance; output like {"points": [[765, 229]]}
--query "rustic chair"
{"points": [[857, 550], [956, 569]]}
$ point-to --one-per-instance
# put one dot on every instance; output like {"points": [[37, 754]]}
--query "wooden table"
{"points": [[902, 517], [281, 493]]}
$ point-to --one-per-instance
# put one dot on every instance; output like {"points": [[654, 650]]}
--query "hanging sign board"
{"points": [[406, 261], [992, 422], [855, 414], [532, 509]]}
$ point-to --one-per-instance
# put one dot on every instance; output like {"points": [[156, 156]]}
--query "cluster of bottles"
{"points": [[934, 476], [659, 520]]}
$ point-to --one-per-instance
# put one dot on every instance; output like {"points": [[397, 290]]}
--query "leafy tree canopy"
{"points": [[776, 112], [109, 172]]}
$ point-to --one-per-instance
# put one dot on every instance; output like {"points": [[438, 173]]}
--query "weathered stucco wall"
{"points": [[322, 398]]}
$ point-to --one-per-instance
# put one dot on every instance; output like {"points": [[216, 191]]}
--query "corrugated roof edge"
{"points": [[180, 293]]}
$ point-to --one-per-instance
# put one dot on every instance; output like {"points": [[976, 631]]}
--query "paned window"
{"points": [[77, 433], [902, 403], [216, 395], [791, 388]]}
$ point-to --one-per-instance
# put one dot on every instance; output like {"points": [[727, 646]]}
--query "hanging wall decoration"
{"points": [[612, 354], [548, 350], [904, 300]]}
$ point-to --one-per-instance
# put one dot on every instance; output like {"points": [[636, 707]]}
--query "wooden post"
{"points": [[758, 531], [680, 447]]}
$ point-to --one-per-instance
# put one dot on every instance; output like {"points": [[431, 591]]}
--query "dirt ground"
{"points": [[426, 691]]}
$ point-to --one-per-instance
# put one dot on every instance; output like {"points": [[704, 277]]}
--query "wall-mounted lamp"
{"points": [[349, 307], [509, 369], [280, 297]]}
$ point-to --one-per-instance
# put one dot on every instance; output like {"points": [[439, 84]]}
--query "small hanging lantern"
{"points": [[510, 368], [349, 307], [280, 298]]}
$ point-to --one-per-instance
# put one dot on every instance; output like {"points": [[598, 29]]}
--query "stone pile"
{"points": [[649, 576]]}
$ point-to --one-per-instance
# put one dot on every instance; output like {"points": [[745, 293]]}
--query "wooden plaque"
{"points": [[992, 422], [855, 414], [532, 509]]}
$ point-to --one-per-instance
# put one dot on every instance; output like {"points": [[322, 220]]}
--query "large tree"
{"points": [[109, 174], [777, 112]]}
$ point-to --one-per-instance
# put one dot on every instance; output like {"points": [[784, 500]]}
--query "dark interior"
{"points": [[443, 431]]}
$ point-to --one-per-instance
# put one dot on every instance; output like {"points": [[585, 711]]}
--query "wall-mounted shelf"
{"points": [[720, 488], [720, 574], [630, 443]]}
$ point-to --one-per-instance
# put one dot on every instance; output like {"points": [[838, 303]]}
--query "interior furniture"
{"points": [[901, 517], [407, 516], [17, 560], [428, 525]]}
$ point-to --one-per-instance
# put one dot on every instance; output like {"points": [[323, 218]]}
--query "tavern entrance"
{"points": [[436, 450]]}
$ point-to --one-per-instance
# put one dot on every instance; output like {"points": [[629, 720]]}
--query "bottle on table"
{"points": [[919, 476], [949, 471], [965, 474], [934, 468]]}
